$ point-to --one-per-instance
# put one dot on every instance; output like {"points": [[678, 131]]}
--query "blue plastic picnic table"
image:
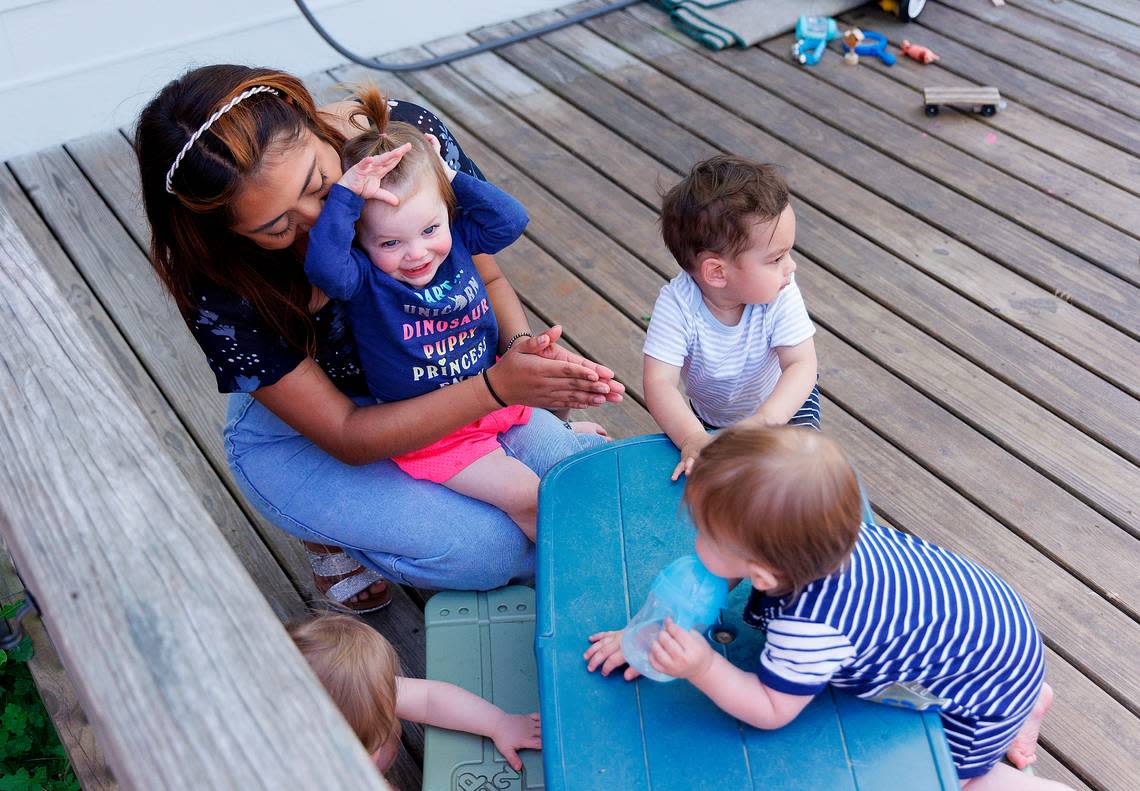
{"points": [[609, 520]]}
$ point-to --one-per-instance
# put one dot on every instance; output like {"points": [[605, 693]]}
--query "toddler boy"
{"points": [[732, 324]]}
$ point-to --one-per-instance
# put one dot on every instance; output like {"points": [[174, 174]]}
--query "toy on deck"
{"points": [[685, 591], [921, 54], [870, 43], [812, 36], [985, 100], [906, 10], [851, 40]]}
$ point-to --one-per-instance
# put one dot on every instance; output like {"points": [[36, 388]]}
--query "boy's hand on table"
{"points": [[514, 732], [680, 653], [691, 448], [606, 652]]}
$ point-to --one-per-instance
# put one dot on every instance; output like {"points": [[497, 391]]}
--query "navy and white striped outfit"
{"points": [[728, 371], [906, 610]]}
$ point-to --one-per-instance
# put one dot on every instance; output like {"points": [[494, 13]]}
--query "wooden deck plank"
{"points": [[602, 141], [1092, 730], [1050, 767], [1061, 69], [1071, 43], [183, 447], [122, 280], [951, 262], [967, 132], [903, 299], [586, 87], [160, 650], [1121, 9], [1108, 611], [1118, 32], [110, 161], [1009, 490], [1034, 370], [1040, 439], [1084, 750], [1026, 123], [58, 693], [1076, 111], [1015, 247], [995, 396], [980, 348], [949, 449], [1036, 211]]}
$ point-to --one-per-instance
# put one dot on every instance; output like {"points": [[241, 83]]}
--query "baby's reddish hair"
{"points": [[787, 497]]}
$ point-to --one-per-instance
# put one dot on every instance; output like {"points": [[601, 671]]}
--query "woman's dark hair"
{"points": [[191, 231]]}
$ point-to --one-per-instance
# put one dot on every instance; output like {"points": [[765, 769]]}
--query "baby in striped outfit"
{"points": [[732, 324], [853, 604]]}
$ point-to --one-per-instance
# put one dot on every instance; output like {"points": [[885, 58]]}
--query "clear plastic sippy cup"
{"points": [[685, 591]]}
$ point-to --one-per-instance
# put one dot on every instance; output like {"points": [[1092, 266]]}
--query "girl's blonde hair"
{"points": [[358, 668], [378, 134], [786, 497]]}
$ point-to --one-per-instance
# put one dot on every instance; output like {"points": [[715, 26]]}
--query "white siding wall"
{"points": [[72, 67]]}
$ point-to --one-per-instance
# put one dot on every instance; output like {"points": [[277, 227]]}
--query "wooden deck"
{"points": [[975, 283]]}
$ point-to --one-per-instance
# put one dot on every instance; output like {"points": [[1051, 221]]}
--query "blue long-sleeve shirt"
{"points": [[414, 340]]}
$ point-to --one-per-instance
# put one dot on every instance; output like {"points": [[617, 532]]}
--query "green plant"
{"points": [[31, 757]]}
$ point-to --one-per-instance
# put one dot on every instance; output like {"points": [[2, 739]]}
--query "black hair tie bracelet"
{"points": [[491, 390]]}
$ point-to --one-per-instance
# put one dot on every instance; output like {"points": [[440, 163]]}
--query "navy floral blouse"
{"points": [[245, 354]]}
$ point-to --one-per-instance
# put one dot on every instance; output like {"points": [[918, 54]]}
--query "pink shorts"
{"points": [[444, 458]]}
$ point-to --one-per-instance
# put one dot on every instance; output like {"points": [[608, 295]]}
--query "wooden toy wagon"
{"points": [[985, 100]]}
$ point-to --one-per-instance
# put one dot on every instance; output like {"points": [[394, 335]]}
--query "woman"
{"points": [[235, 164]]}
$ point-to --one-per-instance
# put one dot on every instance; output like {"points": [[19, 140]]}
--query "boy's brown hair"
{"points": [[358, 668], [714, 207], [786, 497], [378, 134]]}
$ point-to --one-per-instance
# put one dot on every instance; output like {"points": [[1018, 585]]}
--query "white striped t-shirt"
{"points": [[905, 610], [728, 371]]}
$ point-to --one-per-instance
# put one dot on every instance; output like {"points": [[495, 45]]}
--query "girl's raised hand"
{"points": [[439, 153], [365, 176]]}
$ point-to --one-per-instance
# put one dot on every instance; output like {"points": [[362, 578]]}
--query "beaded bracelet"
{"points": [[515, 337]]}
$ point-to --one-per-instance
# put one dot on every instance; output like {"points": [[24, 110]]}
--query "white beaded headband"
{"points": [[209, 121]]}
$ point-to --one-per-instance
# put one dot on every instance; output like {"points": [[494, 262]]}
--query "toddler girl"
{"points": [[361, 673], [420, 305], [857, 606]]}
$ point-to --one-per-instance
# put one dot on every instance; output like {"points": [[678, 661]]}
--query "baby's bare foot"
{"points": [[1023, 751]]}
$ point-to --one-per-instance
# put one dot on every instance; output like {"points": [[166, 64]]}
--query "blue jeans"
{"points": [[413, 532]]}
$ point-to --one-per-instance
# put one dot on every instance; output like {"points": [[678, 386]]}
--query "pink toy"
{"points": [[921, 54]]}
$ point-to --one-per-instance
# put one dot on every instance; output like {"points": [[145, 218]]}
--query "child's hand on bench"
{"points": [[514, 732]]}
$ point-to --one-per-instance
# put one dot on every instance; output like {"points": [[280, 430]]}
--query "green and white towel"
{"points": [[718, 24]]}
